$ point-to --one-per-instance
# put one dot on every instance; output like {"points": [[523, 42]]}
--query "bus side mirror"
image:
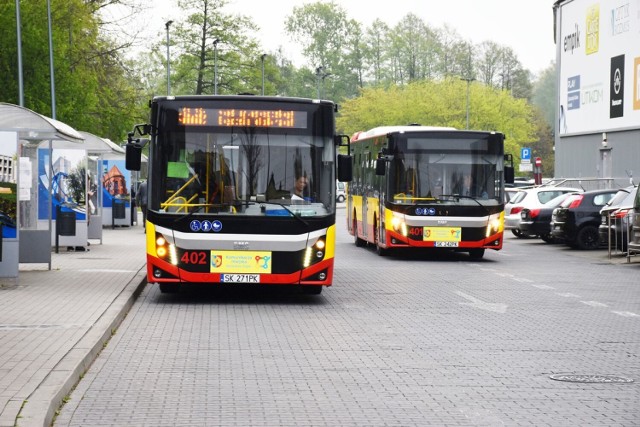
{"points": [[509, 174], [345, 168], [380, 166], [133, 157]]}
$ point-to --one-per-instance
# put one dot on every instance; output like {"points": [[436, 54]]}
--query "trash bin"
{"points": [[66, 223], [119, 211]]}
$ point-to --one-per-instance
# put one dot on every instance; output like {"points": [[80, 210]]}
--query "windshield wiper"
{"points": [[293, 213], [460, 196]]}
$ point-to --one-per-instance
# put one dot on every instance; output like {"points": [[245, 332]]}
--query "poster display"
{"points": [[8, 184], [599, 88]]}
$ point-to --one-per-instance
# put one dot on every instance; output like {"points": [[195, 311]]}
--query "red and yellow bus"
{"points": [[428, 187], [241, 189]]}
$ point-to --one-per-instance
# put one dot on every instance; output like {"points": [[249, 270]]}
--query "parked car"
{"points": [[537, 221], [509, 192], [340, 192], [616, 219], [530, 198], [577, 219], [634, 239]]}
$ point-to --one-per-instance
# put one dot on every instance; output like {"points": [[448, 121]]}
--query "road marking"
{"points": [[594, 303], [522, 280], [543, 287], [626, 313], [476, 303], [567, 295]]}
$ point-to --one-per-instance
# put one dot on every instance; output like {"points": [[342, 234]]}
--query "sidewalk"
{"points": [[53, 323]]}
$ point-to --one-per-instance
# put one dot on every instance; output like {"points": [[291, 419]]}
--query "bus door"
{"points": [[366, 192]]}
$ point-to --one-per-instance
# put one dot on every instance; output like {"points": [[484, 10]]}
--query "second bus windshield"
{"points": [[427, 173]]}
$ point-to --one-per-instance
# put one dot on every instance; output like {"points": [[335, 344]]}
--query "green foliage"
{"points": [[93, 89], [441, 103]]}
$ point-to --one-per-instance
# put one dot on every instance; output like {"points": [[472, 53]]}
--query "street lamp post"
{"points": [[167, 24], [468, 80], [215, 66], [318, 76], [264, 55], [51, 67]]}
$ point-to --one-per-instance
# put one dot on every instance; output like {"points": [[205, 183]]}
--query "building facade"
{"points": [[597, 131]]}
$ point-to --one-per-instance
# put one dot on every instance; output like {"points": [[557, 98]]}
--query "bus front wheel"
{"points": [[476, 253], [312, 289], [169, 288]]}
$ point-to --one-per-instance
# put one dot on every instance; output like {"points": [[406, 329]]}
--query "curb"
{"points": [[40, 408]]}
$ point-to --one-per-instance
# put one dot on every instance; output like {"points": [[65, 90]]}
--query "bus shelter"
{"points": [[103, 154], [30, 138]]}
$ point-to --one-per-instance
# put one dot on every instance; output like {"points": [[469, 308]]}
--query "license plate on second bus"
{"points": [[240, 278], [445, 244]]}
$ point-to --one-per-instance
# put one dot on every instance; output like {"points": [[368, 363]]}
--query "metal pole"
{"points": [[19, 35], [264, 55], [167, 24], [215, 66], [318, 76], [468, 80], [51, 67]]}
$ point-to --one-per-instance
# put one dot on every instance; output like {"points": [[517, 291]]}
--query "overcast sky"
{"points": [[524, 25]]}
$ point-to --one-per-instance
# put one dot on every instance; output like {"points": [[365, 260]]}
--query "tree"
{"points": [[330, 41], [441, 103], [545, 94], [94, 91]]}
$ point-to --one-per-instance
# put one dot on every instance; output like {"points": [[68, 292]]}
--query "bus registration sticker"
{"points": [[444, 237], [241, 262], [240, 278]]}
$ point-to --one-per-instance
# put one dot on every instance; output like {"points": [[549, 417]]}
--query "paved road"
{"points": [[396, 342]]}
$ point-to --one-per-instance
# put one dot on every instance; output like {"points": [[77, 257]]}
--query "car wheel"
{"points": [[340, 199], [517, 233], [547, 238], [588, 238]]}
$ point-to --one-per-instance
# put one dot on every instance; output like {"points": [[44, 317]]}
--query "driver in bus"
{"points": [[299, 187]]}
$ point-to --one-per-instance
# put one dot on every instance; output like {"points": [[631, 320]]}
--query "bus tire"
{"points": [[476, 253], [376, 240], [169, 288], [358, 241], [312, 289]]}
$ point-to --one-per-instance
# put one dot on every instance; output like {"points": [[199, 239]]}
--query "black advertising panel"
{"points": [[616, 89]]}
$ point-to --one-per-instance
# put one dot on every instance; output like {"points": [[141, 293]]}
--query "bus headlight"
{"points": [[165, 250], [399, 226], [494, 225], [317, 249]]}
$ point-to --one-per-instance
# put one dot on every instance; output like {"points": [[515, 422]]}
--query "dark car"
{"points": [[615, 219], [536, 221], [577, 219]]}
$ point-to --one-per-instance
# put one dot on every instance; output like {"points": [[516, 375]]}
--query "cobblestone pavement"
{"points": [[54, 322], [397, 341]]}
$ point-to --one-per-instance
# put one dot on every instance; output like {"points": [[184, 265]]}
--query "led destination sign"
{"points": [[228, 117]]}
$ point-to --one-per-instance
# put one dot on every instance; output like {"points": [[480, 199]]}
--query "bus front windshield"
{"points": [[425, 175], [245, 171]]}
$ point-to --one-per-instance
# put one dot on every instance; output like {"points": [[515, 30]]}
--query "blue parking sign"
{"points": [[525, 153]]}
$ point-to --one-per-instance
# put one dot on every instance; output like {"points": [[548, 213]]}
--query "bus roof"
{"points": [[384, 130]]}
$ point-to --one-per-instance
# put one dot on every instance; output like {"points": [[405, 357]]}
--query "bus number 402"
{"points": [[194, 257]]}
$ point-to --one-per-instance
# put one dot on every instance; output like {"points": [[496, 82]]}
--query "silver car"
{"points": [[530, 198]]}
